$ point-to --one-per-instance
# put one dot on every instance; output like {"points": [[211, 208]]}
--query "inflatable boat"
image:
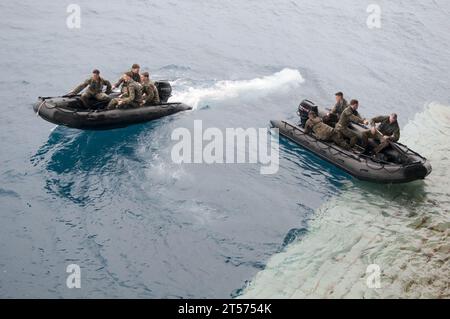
{"points": [[70, 111], [395, 164]]}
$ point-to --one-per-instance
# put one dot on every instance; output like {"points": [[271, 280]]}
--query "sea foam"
{"points": [[223, 90]]}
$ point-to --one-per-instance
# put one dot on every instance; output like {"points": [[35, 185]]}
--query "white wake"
{"points": [[286, 79]]}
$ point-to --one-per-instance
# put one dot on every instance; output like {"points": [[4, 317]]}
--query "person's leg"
{"points": [[327, 119], [102, 97], [349, 134], [383, 144], [353, 137], [365, 137], [85, 97], [126, 106], [129, 105], [333, 119], [112, 104], [338, 140]]}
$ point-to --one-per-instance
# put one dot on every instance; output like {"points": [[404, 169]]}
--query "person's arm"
{"points": [[396, 135], [108, 86], [118, 83], [155, 93], [80, 87], [376, 119], [356, 119], [149, 94], [308, 126]]}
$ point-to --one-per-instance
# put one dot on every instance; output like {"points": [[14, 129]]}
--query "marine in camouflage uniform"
{"points": [[149, 90], [349, 115], [131, 98], [333, 116], [95, 86], [387, 131], [339, 107], [134, 75], [324, 132]]}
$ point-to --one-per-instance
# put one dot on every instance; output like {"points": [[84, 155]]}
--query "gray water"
{"points": [[140, 226]]}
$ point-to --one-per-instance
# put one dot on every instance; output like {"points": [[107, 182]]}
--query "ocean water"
{"points": [[403, 229], [141, 226]]}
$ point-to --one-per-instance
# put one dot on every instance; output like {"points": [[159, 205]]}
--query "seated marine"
{"points": [[340, 106], [386, 132], [135, 68], [323, 131], [94, 90], [150, 93], [350, 114], [332, 117], [131, 98]]}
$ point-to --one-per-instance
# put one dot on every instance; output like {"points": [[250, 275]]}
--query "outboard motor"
{"points": [[164, 90], [303, 110]]}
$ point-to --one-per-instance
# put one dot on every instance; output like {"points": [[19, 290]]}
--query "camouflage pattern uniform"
{"points": [[333, 116], [95, 90], [385, 128], [150, 92], [339, 107], [349, 115], [324, 132], [130, 99], [136, 78]]}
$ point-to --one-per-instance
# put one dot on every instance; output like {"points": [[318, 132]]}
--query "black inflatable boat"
{"points": [[69, 111], [396, 164]]}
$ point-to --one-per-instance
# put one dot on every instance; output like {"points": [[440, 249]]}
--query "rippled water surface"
{"points": [[141, 226]]}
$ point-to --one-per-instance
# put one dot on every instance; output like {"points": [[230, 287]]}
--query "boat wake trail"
{"points": [[404, 230], [284, 80]]}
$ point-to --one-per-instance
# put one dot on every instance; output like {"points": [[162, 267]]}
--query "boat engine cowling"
{"points": [[303, 109], [164, 90]]}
